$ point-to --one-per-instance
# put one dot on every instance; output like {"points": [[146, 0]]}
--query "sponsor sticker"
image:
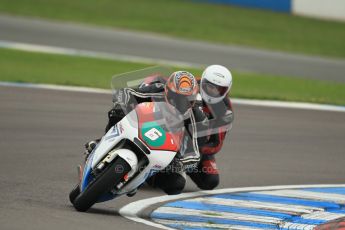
{"points": [[115, 132], [153, 134], [121, 128]]}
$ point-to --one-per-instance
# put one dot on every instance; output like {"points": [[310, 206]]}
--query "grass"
{"points": [[19, 66], [212, 214], [188, 19]]}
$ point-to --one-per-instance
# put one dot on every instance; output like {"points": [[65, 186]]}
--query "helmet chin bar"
{"points": [[209, 99], [213, 89]]}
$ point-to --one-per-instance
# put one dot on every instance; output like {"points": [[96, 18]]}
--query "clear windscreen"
{"points": [[165, 115], [169, 118], [157, 116], [134, 78], [160, 125]]}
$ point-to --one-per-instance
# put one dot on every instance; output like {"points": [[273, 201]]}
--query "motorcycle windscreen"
{"points": [[136, 78], [161, 126]]}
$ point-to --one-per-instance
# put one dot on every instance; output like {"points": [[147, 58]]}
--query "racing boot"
{"points": [[207, 175], [132, 193]]}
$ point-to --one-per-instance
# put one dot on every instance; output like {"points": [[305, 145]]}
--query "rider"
{"points": [[215, 85], [180, 90]]}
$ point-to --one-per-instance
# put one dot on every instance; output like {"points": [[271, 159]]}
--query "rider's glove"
{"points": [[223, 121], [228, 117], [114, 115], [119, 96], [116, 112], [176, 165], [156, 87]]}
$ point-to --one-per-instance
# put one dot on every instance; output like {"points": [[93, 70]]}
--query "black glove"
{"points": [[178, 165], [175, 165], [228, 117], [224, 120], [119, 97], [156, 87], [114, 116]]}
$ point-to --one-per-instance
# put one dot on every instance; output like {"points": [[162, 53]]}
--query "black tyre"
{"points": [[104, 182], [74, 193]]}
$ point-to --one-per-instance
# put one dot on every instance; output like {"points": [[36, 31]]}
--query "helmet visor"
{"points": [[181, 102], [212, 89]]}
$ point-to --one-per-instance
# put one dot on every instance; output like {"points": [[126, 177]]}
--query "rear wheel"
{"points": [[104, 182]]}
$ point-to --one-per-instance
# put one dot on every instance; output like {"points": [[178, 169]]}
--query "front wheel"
{"points": [[74, 193], [103, 183]]}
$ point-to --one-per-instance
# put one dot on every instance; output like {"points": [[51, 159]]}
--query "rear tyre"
{"points": [[103, 183], [74, 193]]}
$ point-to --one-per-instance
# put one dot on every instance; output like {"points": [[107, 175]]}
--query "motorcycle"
{"points": [[143, 143]]}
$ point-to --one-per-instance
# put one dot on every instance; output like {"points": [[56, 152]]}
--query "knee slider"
{"points": [[209, 182], [176, 184]]}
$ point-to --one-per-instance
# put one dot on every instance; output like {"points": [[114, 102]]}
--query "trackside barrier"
{"points": [[275, 5], [324, 9]]}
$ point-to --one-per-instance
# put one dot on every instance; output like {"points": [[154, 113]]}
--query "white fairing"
{"points": [[114, 136], [128, 128], [158, 161]]}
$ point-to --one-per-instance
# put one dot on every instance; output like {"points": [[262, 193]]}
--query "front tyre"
{"points": [[74, 193], [104, 182]]}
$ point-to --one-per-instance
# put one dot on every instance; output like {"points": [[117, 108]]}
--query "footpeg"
{"points": [[132, 193]]}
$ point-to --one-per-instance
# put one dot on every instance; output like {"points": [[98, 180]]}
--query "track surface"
{"points": [[42, 133], [163, 48]]}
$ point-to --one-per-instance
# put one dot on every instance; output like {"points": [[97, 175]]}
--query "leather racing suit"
{"points": [[220, 117], [152, 89]]}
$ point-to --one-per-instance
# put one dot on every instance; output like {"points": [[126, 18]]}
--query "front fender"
{"points": [[130, 158]]}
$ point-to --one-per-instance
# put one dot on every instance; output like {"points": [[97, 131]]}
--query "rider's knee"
{"points": [[208, 182], [176, 185], [173, 184]]}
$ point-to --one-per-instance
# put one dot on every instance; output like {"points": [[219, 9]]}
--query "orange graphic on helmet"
{"points": [[183, 83], [181, 90]]}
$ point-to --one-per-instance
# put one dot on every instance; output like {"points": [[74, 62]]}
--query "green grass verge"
{"points": [[19, 66], [187, 19]]}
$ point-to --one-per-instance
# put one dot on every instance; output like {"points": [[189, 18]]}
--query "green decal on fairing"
{"points": [[153, 134]]}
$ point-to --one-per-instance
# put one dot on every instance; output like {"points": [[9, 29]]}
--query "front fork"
{"points": [[85, 175]]}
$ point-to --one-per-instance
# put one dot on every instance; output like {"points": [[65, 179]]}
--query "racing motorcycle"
{"points": [[143, 143]]}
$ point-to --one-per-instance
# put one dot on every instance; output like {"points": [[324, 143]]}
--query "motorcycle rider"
{"points": [[180, 91], [215, 84]]}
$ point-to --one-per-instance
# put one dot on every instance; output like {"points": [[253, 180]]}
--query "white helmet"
{"points": [[216, 81]]}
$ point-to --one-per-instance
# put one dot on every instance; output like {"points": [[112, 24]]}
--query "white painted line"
{"points": [[327, 216], [128, 58], [237, 101], [133, 210], [292, 105], [92, 54], [56, 87], [222, 215], [296, 226], [204, 225], [269, 206], [336, 198]]}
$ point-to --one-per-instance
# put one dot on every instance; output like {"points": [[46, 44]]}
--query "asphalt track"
{"points": [[156, 47], [42, 134]]}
